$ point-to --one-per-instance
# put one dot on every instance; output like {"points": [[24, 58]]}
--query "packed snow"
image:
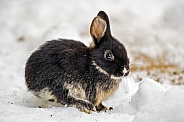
{"points": [[151, 27]]}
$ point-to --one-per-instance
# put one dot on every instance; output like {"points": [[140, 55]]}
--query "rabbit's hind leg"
{"points": [[45, 94], [64, 97]]}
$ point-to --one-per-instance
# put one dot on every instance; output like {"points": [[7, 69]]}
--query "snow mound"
{"points": [[148, 91], [168, 108], [155, 105]]}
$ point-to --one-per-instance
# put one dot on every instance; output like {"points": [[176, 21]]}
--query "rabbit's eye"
{"points": [[108, 55]]}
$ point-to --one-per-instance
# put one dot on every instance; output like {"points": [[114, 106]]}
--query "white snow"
{"points": [[148, 91], [167, 108], [152, 27]]}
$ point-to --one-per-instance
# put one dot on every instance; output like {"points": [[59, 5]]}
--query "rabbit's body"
{"points": [[76, 75]]}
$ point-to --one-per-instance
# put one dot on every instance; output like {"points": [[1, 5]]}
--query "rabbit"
{"points": [[68, 72]]}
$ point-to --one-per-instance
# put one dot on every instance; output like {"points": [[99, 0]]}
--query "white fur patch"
{"points": [[45, 94], [115, 78], [99, 68], [76, 91]]}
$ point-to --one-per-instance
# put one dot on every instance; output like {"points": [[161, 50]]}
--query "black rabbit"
{"points": [[68, 72]]}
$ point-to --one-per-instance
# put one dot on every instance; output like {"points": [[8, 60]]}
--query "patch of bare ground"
{"points": [[158, 68]]}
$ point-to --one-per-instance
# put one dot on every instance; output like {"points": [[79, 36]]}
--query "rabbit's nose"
{"points": [[124, 71]]}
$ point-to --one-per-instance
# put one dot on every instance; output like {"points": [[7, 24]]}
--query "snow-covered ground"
{"points": [[151, 27]]}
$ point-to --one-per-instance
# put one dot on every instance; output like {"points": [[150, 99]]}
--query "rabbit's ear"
{"points": [[104, 16], [97, 29]]}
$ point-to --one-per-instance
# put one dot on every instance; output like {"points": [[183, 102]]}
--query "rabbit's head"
{"points": [[109, 56]]}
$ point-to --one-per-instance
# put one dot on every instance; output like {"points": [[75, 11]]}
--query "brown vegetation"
{"points": [[158, 68]]}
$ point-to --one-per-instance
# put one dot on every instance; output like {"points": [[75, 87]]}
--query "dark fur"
{"points": [[61, 63]]}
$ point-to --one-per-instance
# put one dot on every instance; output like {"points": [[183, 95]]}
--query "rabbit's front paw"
{"points": [[85, 106], [101, 107]]}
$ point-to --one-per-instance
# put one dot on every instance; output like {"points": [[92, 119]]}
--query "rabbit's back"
{"points": [[55, 60]]}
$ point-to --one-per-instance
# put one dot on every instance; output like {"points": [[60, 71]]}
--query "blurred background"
{"points": [[151, 30]]}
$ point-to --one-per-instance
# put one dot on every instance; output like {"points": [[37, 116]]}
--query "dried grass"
{"points": [[156, 67]]}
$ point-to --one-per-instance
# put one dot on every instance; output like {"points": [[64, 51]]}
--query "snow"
{"points": [[167, 108], [144, 94], [152, 27]]}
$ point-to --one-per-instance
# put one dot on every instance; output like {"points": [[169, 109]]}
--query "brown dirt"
{"points": [[158, 68]]}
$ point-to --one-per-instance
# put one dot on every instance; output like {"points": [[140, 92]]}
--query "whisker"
{"points": [[126, 84], [132, 82], [132, 85], [134, 79]]}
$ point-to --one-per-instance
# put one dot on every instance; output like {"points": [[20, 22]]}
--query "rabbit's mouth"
{"points": [[121, 72]]}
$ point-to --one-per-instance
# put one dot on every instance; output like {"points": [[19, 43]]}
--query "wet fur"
{"points": [[65, 70]]}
